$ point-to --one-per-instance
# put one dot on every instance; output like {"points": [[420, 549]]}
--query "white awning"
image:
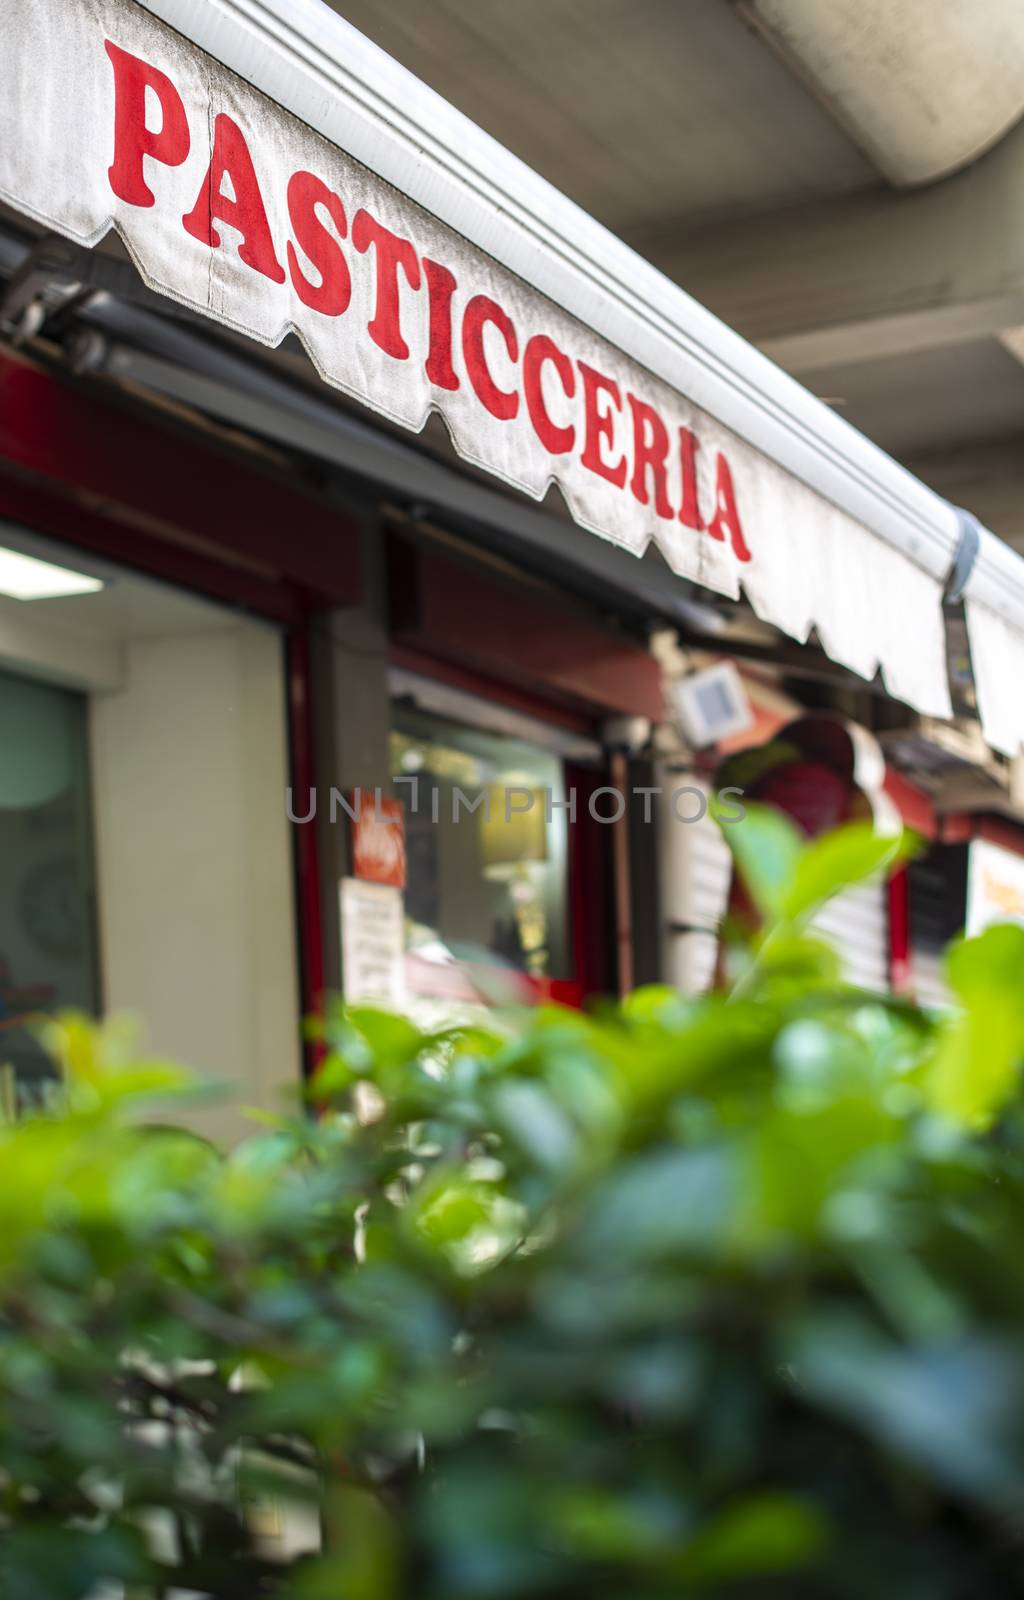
{"points": [[267, 166], [994, 610]]}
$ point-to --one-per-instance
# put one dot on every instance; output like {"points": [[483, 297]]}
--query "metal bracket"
{"points": [[49, 279], [57, 275], [966, 554]]}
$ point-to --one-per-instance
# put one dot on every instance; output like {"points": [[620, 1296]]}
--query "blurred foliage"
{"points": [[715, 1297]]}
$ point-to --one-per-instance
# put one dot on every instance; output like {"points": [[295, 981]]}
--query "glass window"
{"points": [[486, 845], [47, 939]]}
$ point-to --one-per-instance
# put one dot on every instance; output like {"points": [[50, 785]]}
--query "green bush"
{"points": [[688, 1297]]}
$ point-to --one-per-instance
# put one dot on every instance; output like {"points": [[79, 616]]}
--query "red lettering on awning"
{"points": [[245, 211], [133, 140]]}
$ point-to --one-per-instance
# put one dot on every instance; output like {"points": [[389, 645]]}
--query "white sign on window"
{"points": [[372, 943], [995, 886]]}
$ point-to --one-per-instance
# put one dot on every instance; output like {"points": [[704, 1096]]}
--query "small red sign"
{"points": [[378, 838]]}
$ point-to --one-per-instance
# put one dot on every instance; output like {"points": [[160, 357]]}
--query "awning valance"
{"points": [[232, 205]]}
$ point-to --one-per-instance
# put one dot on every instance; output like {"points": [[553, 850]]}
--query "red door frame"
{"points": [[303, 775]]}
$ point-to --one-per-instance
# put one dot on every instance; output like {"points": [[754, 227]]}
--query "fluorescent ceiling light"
{"points": [[26, 578]]}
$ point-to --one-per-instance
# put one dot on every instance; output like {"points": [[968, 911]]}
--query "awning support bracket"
{"points": [[966, 554]]}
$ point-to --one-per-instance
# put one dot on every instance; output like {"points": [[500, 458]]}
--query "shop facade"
{"points": [[372, 472], [190, 711]]}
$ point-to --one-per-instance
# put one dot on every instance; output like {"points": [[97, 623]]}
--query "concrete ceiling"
{"points": [[639, 110], [685, 132], [945, 396]]}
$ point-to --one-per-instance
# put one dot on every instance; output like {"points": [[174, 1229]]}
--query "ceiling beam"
{"points": [[874, 274]]}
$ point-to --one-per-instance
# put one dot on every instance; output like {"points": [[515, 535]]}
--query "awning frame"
{"points": [[130, 333], [319, 71]]}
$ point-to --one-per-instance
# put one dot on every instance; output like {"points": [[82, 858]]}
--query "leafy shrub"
{"points": [[689, 1297]]}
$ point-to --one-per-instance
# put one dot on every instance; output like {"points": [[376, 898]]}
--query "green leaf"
{"points": [[800, 1158], [792, 962], [653, 1002], [766, 847], [471, 1223], [391, 1038], [837, 861], [949, 1407], [974, 1070], [600, 1526], [363, 1564], [334, 1076], [663, 1203], [762, 1534], [531, 1116]]}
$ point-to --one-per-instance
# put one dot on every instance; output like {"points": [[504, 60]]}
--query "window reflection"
{"points": [[486, 843], [47, 946]]}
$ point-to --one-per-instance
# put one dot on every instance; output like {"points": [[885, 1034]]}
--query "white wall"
{"points": [[856, 925], [194, 870], [695, 872]]}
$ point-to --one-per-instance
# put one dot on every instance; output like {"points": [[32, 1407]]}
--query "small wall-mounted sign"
{"points": [[372, 943], [378, 838], [995, 886]]}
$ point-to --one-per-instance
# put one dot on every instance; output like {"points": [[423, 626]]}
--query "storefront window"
{"points": [[47, 942], [486, 843]]}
